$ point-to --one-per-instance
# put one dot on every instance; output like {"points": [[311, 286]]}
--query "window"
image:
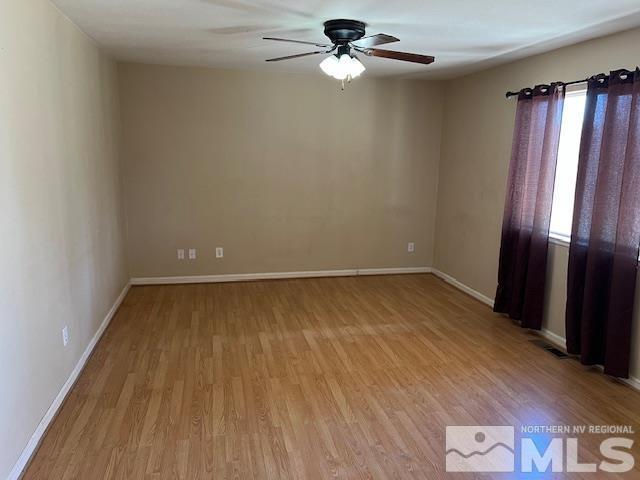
{"points": [[567, 167]]}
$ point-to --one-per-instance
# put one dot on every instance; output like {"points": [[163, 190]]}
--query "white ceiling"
{"points": [[463, 35]]}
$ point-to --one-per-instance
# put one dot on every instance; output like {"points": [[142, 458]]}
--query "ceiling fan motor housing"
{"points": [[342, 31]]}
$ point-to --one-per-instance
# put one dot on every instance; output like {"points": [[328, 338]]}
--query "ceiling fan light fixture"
{"points": [[345, 67]]}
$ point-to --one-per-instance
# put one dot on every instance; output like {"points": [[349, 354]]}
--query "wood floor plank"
{"points": [[313, 378]]}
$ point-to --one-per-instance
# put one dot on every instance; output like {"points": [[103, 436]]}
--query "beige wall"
{"points": [[286, 172], [476, 146], [62, 259]]}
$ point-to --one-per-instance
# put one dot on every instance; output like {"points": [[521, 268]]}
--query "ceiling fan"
{"points": [[347, 38]]}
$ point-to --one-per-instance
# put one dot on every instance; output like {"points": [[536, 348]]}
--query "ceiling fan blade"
{"points": [[289, 57], [407, 57], [373, 40], [296, 41]]}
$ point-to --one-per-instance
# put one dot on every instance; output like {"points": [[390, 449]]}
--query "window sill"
{"points": [[561, 240]]}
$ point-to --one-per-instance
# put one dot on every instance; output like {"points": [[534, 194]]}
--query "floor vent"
{"points": [[557, 353], [540, 343], [549, 348]]}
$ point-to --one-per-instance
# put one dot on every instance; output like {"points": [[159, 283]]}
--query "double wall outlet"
{"points": [[411, 247], [191, 253]]}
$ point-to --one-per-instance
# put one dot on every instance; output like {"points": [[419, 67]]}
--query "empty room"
{"points": [[261, 239]]}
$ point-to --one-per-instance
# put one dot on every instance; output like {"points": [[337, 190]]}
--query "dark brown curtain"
{"points": [[527, 213], [603, 256]]}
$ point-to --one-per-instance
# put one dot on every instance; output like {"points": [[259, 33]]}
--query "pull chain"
{"points": [[349, 78]]}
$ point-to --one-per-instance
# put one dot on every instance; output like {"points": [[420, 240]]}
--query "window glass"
{"points": [[567, 167]]}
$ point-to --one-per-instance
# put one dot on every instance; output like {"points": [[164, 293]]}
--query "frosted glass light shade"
{"points": [[342, 68], [329, 64], [356, 67]]}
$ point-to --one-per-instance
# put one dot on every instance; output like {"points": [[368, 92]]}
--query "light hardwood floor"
{"points": [[312, 378]]}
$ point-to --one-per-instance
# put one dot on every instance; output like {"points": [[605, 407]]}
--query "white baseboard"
{"points": [[633, 382], [561, 343], [41, 429], [553, 338], [461, 286], [393, 271], [245, 277]]}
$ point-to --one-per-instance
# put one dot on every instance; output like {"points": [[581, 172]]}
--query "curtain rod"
{"points": [[601, 76], [573, 82]]}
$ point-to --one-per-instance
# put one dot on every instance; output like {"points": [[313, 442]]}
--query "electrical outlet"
{"points": [[411, 247], [181, 254], [192, 254], [65, 335], [219, 252]]}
